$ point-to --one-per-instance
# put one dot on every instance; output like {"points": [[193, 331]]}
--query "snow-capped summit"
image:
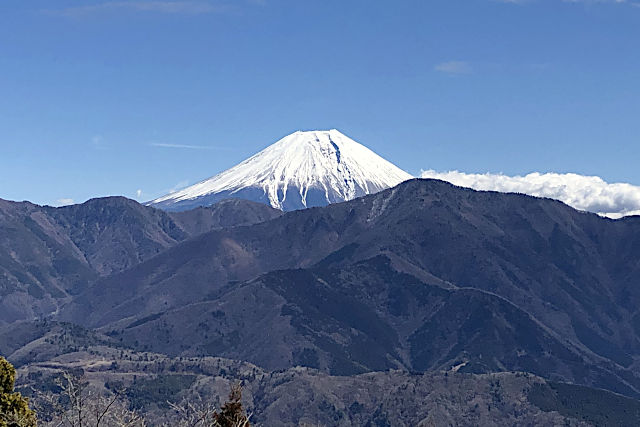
{"points": [[304, 169]]}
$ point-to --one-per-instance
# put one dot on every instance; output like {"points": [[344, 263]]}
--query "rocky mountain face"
{"points": [[422, 276], [304, 169], [49, 254]]}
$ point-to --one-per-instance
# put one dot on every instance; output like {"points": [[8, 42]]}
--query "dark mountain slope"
{"points": [[116, 233], [49, 253], [226, 213], [537, 253], [26, 342], [39, 263], [568, 276], [367, 317]]}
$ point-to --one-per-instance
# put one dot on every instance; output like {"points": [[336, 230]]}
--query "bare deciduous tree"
{"points": [[191, 413], [202, 413], [78, 405]]}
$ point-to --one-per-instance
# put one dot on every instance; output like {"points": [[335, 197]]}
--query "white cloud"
{"points": [[64, 202], [139, 193], [587, 193], [454, 67]]}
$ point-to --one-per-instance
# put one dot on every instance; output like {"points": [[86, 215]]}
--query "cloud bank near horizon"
{"points": [[586, 193]]}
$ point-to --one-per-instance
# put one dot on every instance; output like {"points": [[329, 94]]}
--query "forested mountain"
{"points": [[48, 254], [422, 276], [425, 277]]}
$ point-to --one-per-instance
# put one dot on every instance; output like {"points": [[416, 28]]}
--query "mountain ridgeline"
{"points": [[423, 276], [47, 254]]}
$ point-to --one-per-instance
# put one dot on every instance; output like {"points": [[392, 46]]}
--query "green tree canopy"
{"points": [[14, 409]]}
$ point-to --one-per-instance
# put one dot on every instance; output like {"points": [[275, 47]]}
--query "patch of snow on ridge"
{"points": [[303, 169]]}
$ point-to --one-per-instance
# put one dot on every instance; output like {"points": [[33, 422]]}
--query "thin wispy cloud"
{"points": [[587, 193], [149, 6], [454, 67], [185, 146]]}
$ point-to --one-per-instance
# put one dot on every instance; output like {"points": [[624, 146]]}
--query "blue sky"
{"points": [[116, 97]]}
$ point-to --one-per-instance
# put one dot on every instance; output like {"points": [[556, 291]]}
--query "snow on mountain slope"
{"points": [[301, 170]]}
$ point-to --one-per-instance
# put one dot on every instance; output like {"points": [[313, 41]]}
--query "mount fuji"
{"points": [[304, 169]]}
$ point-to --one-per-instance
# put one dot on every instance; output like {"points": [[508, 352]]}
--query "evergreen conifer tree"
{"points": [[14, 409], [232, 413]]}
